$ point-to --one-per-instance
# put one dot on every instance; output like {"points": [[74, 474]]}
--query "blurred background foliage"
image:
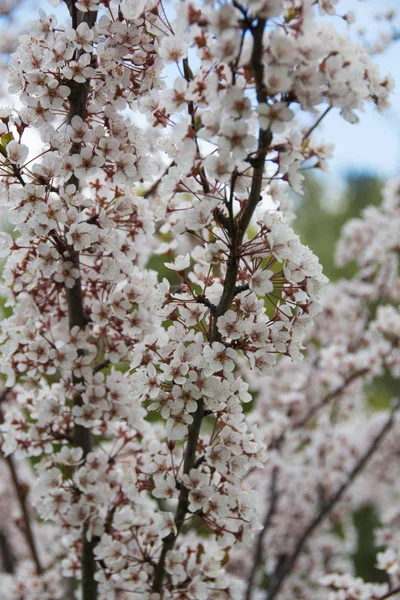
{"points": [[319, 223]]}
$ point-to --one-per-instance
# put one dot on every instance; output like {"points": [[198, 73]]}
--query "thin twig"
{"points": [[21, 496], [258, 163], [153, 188], [317, 122], [390, 593]]}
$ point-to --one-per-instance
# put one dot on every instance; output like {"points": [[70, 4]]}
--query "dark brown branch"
{"points": [[258, 162], [194, 429], [17, 173], [241, 288], [390, 593], [256, 61], [74, 297], [79, 17], [183, 502], [206, 302], [101, 365], [258, 554], [225, 222], [237, 233], [244, 219], [289, 563]]}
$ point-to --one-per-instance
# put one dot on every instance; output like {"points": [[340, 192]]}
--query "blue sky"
{"points": [[373, 145]]}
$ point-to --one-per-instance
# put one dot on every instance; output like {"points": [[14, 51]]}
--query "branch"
{"points": [[390, 593], [21, 496], [183, 502], [203, 300], [317, 122], [258, 554], [314, 409], [194, 428], [153, 188], [330, 396], [74, 297], [258, 162], [237, 234], [76, 312], [287, 566]]}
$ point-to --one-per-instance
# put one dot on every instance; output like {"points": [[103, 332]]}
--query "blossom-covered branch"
{"points": [[79, 91]]}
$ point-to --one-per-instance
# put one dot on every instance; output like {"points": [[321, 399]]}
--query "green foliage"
{"points": [[366, 521], [319, 224]]}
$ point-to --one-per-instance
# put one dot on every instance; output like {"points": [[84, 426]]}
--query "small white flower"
{"points": [[17, 153], [262, 360], [217, 358], [67, 273], [388, 561], [6, 243], [199, 497], [166, 524], [274, 116], [172, 49], [86, 163], [86, 5], [220, 166], [82, 235], [177, 425], [261, 282], [180, 263], [164, 487], [230, 326], [235, 138], [69, 456]]}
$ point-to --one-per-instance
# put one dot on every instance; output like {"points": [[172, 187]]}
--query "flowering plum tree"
{"points": [[138, 471]]}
